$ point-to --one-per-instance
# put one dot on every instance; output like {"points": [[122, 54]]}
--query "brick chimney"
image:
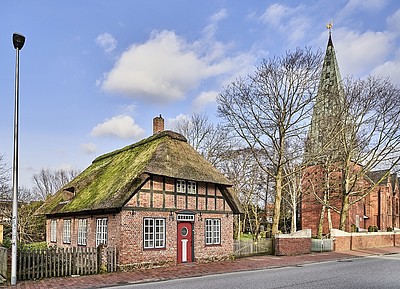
{"points": [[158, 124]]}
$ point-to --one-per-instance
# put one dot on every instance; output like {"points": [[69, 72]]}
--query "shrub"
{"points": [[372, 229]]}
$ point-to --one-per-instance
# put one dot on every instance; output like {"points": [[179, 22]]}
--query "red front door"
{"points": [[185, 242]]}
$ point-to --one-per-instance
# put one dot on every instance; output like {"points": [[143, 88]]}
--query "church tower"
{"points": [[327, 124]]}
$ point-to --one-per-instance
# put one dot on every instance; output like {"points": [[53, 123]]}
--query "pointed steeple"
{"points": [[326, 126]]}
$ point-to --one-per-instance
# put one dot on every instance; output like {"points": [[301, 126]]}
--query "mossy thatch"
{"points": [[113, 178]]}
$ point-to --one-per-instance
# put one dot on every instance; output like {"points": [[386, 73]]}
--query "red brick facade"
{"points": [[158, 198], [379, 208], [298, 243], [357, 241]]}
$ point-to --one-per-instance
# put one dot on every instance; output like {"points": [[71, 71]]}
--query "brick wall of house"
{"points": [[157, 199], [205, 253], [113, 231], [133, 255], [132, 252]]}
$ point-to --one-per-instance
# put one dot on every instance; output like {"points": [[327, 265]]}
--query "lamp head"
{"points": [[18, 41]]}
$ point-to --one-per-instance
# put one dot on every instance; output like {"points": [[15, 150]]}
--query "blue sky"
{"points": [[95, 73]]}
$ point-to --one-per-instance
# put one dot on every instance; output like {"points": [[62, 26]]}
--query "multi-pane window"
{"points": [[82, 231], [53, 231], [191, 187], [180, 186], [154, 233], [67, 231], [101, 231], [213, 231]]}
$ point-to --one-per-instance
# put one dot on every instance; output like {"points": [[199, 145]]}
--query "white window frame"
{"points": [[82, 232], [191, 187], [53, 231], [180, 186], [67, 231], [101, 231], [213, 231], [153, 233]]}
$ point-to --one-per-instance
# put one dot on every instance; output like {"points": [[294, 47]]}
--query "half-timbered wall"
{"points": [[160, 193], [158, 198]]}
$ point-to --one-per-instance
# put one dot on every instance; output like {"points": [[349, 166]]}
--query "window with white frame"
{"points": [[153, 233], [213, 231], [53, 231], [101, 231], [67, 231], [82, 231], [191, 187], [180, 186]]}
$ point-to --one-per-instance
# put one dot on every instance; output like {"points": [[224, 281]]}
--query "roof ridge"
{"points": [[165, 133]]}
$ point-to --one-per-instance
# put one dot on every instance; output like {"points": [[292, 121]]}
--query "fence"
{"points": [[321, 245], [3, 262], [58, 262], [249, 247]]}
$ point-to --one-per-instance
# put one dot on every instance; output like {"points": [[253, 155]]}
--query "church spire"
{"points": [[324, 136]]}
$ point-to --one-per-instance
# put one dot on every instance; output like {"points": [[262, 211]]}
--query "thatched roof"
{"points": [[112, 179]]}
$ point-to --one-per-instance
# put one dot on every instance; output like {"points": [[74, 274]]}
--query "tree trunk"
{"points": [[330, 226], [321, 222], [344, 212], [278, 198], [293, 227]]}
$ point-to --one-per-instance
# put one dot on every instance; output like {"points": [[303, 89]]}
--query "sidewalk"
{"points": [[194, 270]]}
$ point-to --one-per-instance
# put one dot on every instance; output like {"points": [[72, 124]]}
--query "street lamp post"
{"points": [[18, 42]]}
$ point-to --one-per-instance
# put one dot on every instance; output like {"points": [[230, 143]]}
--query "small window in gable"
{"points": [[180, 186], [191, 187]]}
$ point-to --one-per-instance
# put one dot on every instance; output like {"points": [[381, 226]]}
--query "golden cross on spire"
{"points": [[329, 27]]}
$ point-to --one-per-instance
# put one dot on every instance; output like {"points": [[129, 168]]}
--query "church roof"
{"points": [[112, 179]]}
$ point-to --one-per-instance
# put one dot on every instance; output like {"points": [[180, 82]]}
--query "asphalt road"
{"points": [[366, 273]]}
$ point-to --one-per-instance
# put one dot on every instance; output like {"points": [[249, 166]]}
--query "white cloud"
{"points": [[121, 126], [211, 28], [359, 53], [163, 69], [275, 14], [89, 148], [166, 67], [357, 5], [203, 99], [390, 69], [107, 42], [171, 122], [289, 21], [393, 22]]}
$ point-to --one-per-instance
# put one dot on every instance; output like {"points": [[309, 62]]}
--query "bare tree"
{"points": [[4, 179], [270, 108], [47, 182], [248, 181], [210, 140], [372, 137]]}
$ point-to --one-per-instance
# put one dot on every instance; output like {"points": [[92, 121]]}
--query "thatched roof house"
{"points": [[161, 177]]}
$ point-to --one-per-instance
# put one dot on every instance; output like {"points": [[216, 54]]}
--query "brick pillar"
{"points": [[158, 124]]}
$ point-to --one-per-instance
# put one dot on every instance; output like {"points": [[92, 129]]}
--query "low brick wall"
{"points": [[356, 241], [293, 244]]}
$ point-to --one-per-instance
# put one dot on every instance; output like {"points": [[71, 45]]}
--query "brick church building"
{"points": [[321, 199]]}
